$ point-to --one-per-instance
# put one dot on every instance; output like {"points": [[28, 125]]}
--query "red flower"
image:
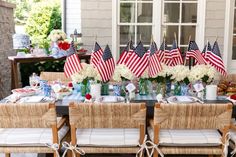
{"points": [[64, 45], [70, 84], [88, 96], [233, 97]]}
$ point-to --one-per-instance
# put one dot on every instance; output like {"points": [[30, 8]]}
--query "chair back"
{"points": [[192, 116], [54, 76], [27, 115], [107, 115]]}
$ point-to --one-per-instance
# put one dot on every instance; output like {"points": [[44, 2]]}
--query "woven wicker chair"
{"points": [[27, 128], [109, 116], [54, 76], [190, 117]]}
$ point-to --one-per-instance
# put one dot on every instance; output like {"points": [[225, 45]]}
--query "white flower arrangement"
{"points": [[88, 72], [205, 73], [166, 71], [122, 72], [56, 35], [180, 73]]}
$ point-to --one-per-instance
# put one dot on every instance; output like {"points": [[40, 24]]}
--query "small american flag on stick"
{"points": [[161, 51], [154, 63], [215, 59], [138, 61], [206, 51], [128, 50], [96, 54], [106, 66], [176, 54], [194, 52], [72, 64]]}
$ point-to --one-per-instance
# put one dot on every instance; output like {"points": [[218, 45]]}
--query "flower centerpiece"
{"points": [[58, 45], [204, 73], [143, 83], [57, 35], [122, 74], [163, 79], [86, 77], [180, 75]]}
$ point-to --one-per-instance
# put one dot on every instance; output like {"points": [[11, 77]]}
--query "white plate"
{"points": [[23, 92], [112, 99], [181, 99]]}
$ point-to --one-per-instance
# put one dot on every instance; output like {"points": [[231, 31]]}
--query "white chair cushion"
{"points": [[29, 136], [108, 137], [187, 137]]}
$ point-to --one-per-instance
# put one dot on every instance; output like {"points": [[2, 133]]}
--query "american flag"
{"points": [[154, 66], [176, 54], [106, 66], [161, 51], [215, 59], [138, 61], [207, 51], [96, 54], [72, 65], [128, 50], [194, 52]]}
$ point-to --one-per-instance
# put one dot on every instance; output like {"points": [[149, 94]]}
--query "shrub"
{"points": [[44, 17]]}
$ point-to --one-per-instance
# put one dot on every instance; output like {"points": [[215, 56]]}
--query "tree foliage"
{"points": [[43, 18], [23, 7]]}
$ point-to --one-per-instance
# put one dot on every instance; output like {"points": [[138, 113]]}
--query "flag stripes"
{"points": [[72, 65], [154, 63], [176, 54], [215, 59], [138, 60], [96, 54], [106, 66], [195, 53], [125, 55]]}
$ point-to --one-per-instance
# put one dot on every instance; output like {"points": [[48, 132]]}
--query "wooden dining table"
{"points": [[15, 60]]}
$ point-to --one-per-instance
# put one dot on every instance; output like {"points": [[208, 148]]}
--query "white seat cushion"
{"points": [[108, 137], [29, 136], [187, 137]]}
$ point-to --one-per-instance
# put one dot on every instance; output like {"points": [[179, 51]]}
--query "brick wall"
{"points": [[6, 32], [96, 19], [215, 22]]}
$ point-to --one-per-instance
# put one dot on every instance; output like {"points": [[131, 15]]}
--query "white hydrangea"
{"points": [[166, 70], [180, 72], [56, 35], [199, 71], [88, 71], [122, 71]]}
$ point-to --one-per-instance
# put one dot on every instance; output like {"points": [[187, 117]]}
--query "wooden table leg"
{"points": [[15, 81], [12, 76]]}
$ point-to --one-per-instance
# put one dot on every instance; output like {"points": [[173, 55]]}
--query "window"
{"points": [[180, 17], [229, 55], [135, 21], [157, 17]]}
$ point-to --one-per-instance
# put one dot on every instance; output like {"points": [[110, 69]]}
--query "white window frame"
{"points": [[158, 10], [228, 34]]}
